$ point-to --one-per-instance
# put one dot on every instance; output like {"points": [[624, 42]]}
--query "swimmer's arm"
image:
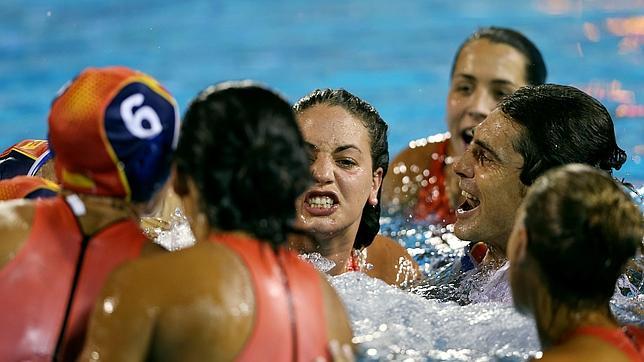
{"points": [[391, 262], [409, 163], [16, 217], [122, 322]]}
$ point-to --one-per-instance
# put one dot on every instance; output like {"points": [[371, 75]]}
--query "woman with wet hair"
{"points": [[238, 294], [348, 151], [574, 232]]}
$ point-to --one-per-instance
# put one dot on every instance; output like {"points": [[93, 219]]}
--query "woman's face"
{"points": [[484, 73], [344, 179]]}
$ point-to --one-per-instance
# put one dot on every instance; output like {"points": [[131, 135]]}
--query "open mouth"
{"points": [[471, 202], [321, 203]]}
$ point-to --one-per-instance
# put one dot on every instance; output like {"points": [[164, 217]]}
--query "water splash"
{"points": [[177, 235], [391, 324]]}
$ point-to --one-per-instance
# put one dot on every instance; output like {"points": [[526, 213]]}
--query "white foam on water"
{"points": [[391, 324]]}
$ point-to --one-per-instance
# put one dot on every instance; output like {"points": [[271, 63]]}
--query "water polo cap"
{"points": [[24, 158], [112, 131]]}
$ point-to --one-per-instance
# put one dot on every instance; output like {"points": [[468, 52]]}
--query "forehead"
{"points": [[500, 133], [332, 125], [486, 60]]}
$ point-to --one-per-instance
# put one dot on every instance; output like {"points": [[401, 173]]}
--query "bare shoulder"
{"points": [[166, 299], [16, 218], [407, 166], [391, 262], [337, 320]]}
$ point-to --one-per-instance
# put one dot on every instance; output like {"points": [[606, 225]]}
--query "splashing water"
{"points": [[178, 235], [391, 324]]}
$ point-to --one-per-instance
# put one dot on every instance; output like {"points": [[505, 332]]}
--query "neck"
{"points": [[336, 248], [101, 212], [494, 258], [558, 322]]}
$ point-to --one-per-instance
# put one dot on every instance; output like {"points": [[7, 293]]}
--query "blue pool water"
{"points": [[394, 54]]}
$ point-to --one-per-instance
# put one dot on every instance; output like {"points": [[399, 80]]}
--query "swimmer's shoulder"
{"points": [[409, 163], [391, 262], [418, 151], [16, 220], [197, 291]]}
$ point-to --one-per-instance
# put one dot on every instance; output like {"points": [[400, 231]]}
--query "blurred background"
{"points": [[395, 54]]}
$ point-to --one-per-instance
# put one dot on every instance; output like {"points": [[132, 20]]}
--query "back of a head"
{"points": [[112, 131], [377, 129], [536, 71], [242, 148], [582, 228], [561, 125]]}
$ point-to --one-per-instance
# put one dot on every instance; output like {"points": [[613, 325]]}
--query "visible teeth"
{"points": [[324, 202], [469, 196]]}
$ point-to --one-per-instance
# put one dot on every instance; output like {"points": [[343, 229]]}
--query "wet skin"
{"points": [[484, 72], [488, 174]]}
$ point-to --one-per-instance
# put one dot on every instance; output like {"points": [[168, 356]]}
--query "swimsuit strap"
{"points": [[614, 336]]}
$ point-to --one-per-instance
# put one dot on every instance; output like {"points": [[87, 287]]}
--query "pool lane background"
{"points": [[396, 55]]}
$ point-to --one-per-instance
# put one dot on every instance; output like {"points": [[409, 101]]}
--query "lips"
{"points": [[469, 206], [321, 203]]}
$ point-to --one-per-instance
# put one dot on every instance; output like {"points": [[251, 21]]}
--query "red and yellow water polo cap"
{"points": [[112, 131]]}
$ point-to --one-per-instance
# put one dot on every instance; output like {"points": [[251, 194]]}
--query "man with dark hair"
{"points": [[531, 131]]}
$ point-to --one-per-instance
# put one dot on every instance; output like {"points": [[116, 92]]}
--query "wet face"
{"points": [[489, 180], [484, 73], [342, 170]]}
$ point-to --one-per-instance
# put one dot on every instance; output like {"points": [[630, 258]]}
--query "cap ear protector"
{"points": [[113, 132]]}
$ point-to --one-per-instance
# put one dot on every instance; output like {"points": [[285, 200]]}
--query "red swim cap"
{"points": [[112, 131]]}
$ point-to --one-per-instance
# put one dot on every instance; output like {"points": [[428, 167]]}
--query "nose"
{"points": [[463, 166], [481, 105], [322, 170]]}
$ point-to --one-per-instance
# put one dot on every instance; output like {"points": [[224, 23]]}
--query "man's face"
{"points": [[489, 179]]}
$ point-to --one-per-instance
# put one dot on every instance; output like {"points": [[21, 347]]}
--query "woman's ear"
{"points": [[376, 182], [517, 251]]}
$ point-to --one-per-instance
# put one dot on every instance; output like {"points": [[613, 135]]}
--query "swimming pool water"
{"points": [[394, 54]]}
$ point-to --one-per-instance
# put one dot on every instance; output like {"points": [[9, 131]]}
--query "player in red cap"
{"points": [[27, 171], [113, 131]]}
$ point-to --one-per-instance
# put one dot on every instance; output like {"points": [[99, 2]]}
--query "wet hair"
{"points": [[561, 125], [535, 72], [241, 146], [377, 129], [582, 228]]}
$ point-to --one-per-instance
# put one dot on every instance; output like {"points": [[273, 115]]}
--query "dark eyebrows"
{"points": [[472, 78], [338, 149], [486, 147], [346, 147]]}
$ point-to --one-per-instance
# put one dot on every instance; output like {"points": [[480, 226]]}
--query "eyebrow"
{"points": [[486, 147], [494, 81], [338, 149]]}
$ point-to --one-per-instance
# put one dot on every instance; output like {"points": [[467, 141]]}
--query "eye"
{"points": [[346, 162], [464, 88], [481, 157], [501, 93]]}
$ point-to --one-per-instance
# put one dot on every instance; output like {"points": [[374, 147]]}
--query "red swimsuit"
{"points": [[629, 339], [51, 284], [433, 200], [289, 309]]}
